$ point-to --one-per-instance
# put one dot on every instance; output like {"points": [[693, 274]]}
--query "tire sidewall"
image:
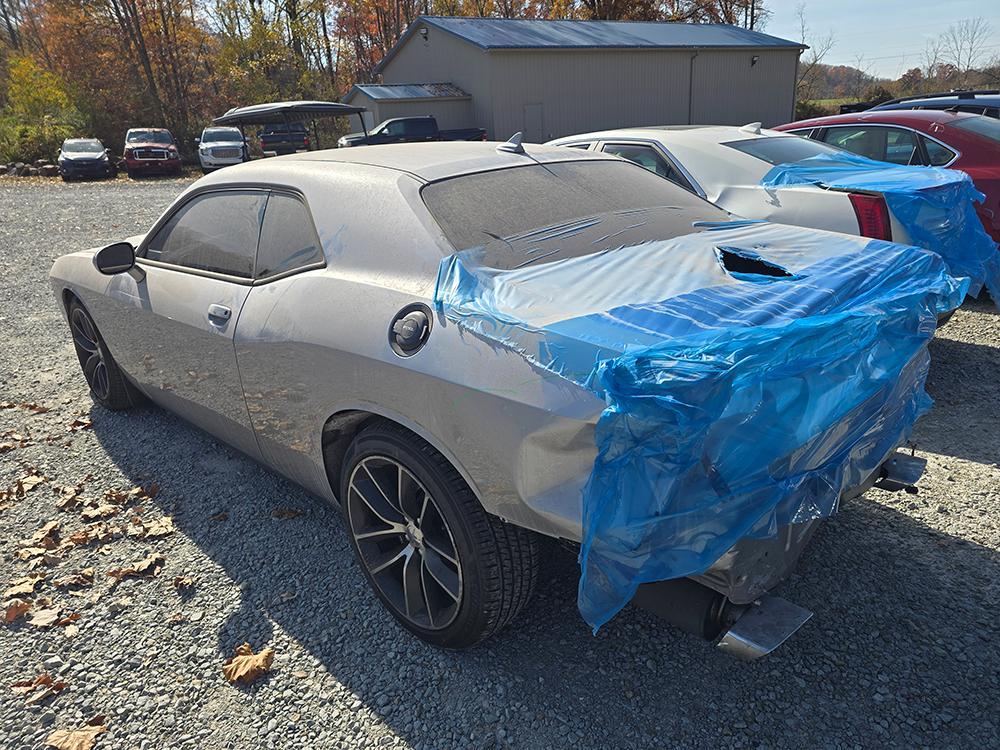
{"points": [[467, 626]]}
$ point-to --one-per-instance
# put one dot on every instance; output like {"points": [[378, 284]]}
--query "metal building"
{"points": [[554, 78]]}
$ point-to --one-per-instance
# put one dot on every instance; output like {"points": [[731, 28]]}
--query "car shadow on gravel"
{"points": [[962, 382], [902, 628]]}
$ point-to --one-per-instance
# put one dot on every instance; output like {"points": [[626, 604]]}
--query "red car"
{"points": [[957, 140], [151, 151]]}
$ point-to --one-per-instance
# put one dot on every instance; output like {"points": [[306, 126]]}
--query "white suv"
{"points": [[221, 147]]}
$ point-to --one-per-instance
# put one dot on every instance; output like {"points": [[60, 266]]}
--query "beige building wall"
{"points": [[551, 93], [449, 113], [443, 58]]}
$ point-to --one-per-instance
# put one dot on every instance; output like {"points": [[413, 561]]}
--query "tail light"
{"points": [[306, 141], [873, 216], [483, 137], [261, 144]]}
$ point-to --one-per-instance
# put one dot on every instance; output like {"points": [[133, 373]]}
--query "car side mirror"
{"points": [[118, 257], [197, 140]]}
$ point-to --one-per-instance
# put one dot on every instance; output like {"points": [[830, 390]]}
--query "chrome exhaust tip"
{"points": [[763, 626]]}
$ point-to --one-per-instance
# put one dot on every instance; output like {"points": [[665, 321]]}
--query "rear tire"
{"points": [[449, 572], [108, 385]]}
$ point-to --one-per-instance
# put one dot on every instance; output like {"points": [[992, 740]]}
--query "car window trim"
{"points": [[663, 151], [826, 128], [229, 188], [316, 264]]}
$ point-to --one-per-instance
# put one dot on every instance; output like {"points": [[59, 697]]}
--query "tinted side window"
{"points": [[937, 154], [893, 145], [213, 232], [287, 239], [647, 156]]}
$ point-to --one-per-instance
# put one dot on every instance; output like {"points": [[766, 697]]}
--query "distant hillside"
{"points": [[843, 82]]}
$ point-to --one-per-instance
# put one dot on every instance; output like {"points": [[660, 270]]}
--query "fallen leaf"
{"points": [[286, 513], [26, 553], [145, 568], [84, 577], [43, 618], [68, 620], [221, 516], [300, 674], [27, 483], [182, 583], [160, 527], [80, 423], [38, 689], [23, 687], [35, 408], [75, 739], [23, 586], [176, 618], [46, 537], [245, 665], [14, 609], [71, 631], [100, 511]]}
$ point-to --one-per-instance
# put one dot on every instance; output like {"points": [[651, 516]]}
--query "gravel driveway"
{"points": [[902, 650]]}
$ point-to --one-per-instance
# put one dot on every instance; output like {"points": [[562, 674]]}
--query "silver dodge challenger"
{"points": [[287, 307]]}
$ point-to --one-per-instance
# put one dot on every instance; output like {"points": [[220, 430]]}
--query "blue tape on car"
{"points": [[751, 375], [936, 207]]}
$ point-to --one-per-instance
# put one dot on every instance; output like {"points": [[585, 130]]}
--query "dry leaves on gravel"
{"points": [[38, 689], [23, 586], [14, 609], [246, 666], [183, 583], [75, 739], [146, 568], [80, 423], [83, 577]]}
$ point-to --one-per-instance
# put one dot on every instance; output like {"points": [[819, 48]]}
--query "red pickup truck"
{"points": [[151, 151]]}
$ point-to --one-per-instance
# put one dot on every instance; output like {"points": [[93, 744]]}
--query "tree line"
{"points": [[97, 67]]}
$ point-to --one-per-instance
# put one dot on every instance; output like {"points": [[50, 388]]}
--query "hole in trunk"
{"points": [[739, 262]]}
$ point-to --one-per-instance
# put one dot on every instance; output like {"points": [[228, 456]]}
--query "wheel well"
{"points": [[338, 432], [67, 297]]}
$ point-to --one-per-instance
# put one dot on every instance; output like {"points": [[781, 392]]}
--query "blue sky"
{"points": [[891, 34]]}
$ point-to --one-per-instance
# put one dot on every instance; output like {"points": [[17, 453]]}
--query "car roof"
{"points": [[985, 98], [691, 134], [915, 118], [697, 149], [435, 160]]}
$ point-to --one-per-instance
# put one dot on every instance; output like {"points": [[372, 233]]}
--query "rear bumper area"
{"points": [[729, 603]]}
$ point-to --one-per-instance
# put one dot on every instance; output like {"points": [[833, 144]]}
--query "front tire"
{"points": [[108, 385], [449, 572]]}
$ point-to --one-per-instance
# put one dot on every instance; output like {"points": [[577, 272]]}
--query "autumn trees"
{"points": [[105, 65]]}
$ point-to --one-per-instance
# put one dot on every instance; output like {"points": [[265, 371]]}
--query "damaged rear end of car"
{"points": [[754, 376]]}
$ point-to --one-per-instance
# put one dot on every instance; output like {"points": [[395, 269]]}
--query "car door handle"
{"points": [[219, 314]]}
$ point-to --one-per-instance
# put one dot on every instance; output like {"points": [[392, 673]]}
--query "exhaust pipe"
{"points": [[745, 631]]}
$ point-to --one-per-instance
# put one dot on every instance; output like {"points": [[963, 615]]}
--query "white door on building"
{"points": [[534, 124]]}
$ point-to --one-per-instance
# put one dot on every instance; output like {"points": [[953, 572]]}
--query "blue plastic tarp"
{"points": [[735, 401], [936, 207]]}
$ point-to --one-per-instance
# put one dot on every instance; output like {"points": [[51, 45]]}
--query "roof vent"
{"points": [[751, 127], [513, 146]]}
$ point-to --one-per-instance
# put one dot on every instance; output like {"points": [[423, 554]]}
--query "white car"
{"points": [[221, 147], [725, 164]]}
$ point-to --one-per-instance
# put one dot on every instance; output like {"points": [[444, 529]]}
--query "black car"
{"points": [[85, 157], [986, 102], [410, 130]]}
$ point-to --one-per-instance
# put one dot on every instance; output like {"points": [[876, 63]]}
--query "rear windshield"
{"points": [[984, 126], [782, 150], [549, 209]]}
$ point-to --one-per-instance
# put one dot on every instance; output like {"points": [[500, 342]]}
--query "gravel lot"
{"points": [[902, 650]]}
